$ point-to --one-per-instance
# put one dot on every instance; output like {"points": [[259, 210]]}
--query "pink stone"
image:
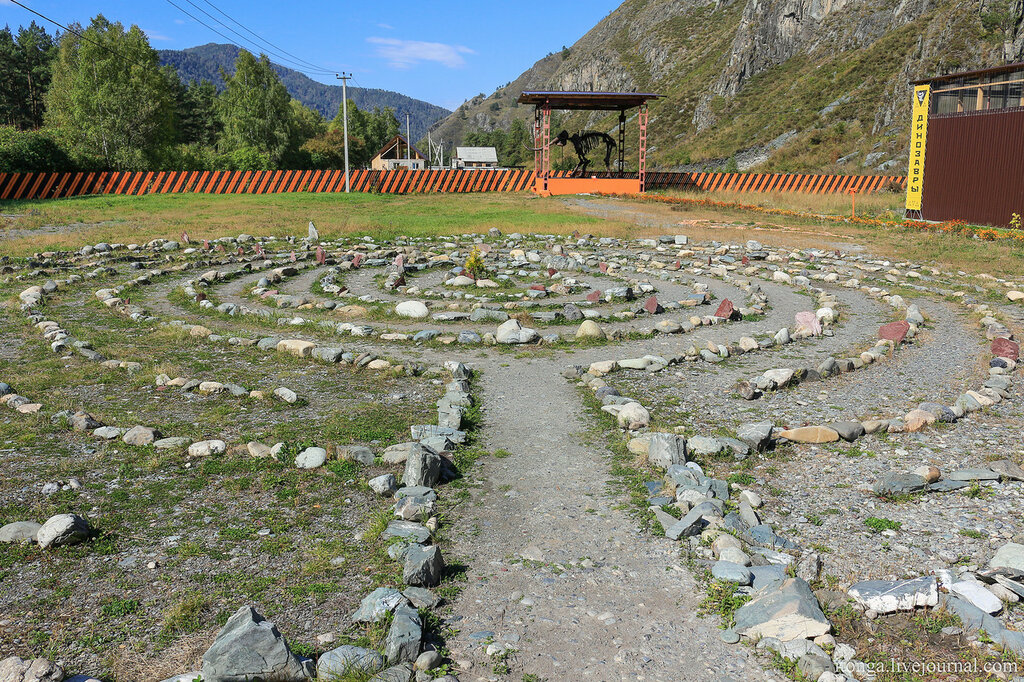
{"points": [[1004, 348], [552, 272], [894, 331], [321, 255], [603, 267], [357, 260], [206, 245], [651, 305], [594, 296], [220, 247], [483, 248], [240, 251], [725, 309], [293, 257], [399, 261], [538, 287], [807, 320], [746, 261]]}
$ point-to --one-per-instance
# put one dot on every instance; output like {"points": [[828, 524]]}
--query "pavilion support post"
{"points": [[622, 142], [538, 154], [642, 165], [545, 143]]}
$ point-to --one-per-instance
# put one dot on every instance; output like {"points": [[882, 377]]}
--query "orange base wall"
{"points": [[586, 186]]}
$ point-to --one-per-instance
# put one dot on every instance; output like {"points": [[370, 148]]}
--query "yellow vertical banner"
{"points": [[918, 140]]}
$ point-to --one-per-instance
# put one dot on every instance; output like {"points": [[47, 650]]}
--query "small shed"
{"points": [[397, 153], [967, 146], [476, 157]]}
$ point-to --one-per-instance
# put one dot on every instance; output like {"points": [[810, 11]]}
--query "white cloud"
{"points": [[179, 22], [153, 35], [386, 27], [404, 54]]}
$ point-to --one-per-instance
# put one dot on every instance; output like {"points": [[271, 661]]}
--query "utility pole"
{"points": [[343, 77], [408, 139]]}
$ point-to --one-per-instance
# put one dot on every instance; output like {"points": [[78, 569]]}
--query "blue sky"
{"points": [[442, 51]]}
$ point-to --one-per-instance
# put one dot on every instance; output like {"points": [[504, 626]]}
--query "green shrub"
{"points": [[31, 150]]}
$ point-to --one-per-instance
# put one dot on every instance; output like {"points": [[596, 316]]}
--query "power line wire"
{"points": [[231, 40], [261, 38]]}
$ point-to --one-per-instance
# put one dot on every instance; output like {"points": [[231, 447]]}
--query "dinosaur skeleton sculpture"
{"points": [[583, 143]]}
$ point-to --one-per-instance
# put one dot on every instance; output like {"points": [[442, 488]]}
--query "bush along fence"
{"points": [[58, 185]]}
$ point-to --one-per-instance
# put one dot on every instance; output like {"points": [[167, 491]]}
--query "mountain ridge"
{"points": [[786, 85], [203, 62]]}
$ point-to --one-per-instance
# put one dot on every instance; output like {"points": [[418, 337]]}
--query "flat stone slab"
{"points": [[1010, 555], [788, 612], [406, 530], [976, 594], [947, 486], [973, 475], [899, 484], [887, 596]]}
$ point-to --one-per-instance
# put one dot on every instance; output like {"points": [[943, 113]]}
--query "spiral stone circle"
{"points": [[809, 428]]}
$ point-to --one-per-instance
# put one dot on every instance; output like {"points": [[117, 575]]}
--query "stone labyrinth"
{"points": [[501, 456]]}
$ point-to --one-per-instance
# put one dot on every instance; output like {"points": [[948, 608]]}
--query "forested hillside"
{"points": [[205, 62], [97, 98]]}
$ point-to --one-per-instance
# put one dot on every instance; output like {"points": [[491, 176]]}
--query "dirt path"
{"points": [[594, 599]]}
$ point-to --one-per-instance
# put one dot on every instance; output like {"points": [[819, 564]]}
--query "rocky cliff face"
{"points": [[811, 85]]}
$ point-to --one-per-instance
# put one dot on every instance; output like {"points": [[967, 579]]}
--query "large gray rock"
{"points": [[311, 458], [378, 604], [1008, 469], [887, 596], [402, 644], [974, 619], [62, 529], [348, 660], [424, 566], [666, 449], [758, 435], [849, 430], [511, 331], [786, 611], [384, 485], [403, 672], [19, 531], [14, 669], [250, 648], [732, 572], [704, 445], [693, 522], [406, 530], [83, 421], [1009, 556], [141, 435], [423, 467]]}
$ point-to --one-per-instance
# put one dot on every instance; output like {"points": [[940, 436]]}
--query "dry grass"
{"points": [[131, 662], [949, 252], [139, 219], [26, 227], [881, 204]]}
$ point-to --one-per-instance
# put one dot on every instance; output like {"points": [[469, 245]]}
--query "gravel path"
{"points": [[557, 569]]}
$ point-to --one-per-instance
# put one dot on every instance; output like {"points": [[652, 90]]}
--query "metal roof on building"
{"points": [[991, 71], [586, 101], [477, 154]]}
